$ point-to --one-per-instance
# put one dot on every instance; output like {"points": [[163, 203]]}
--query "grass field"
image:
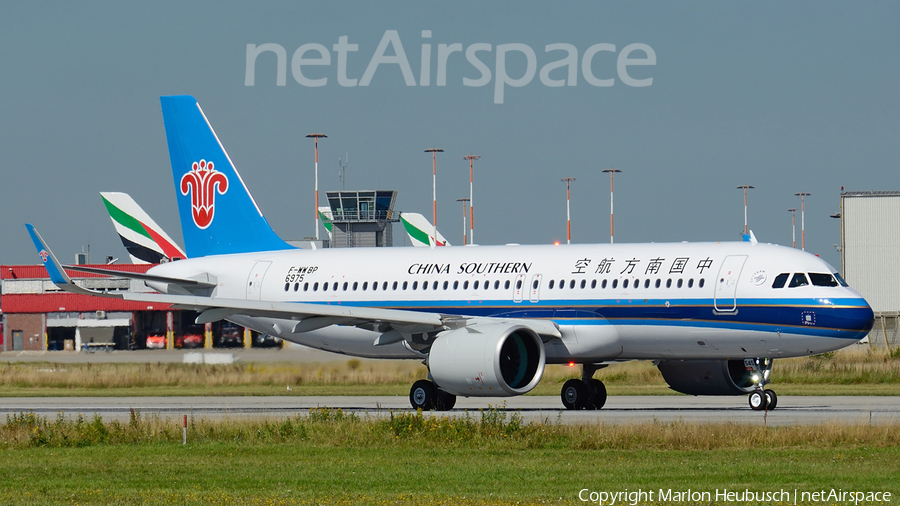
{"points": [[864, 372], [492, 458]]}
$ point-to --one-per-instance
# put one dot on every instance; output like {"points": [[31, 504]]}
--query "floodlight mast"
{"points": [[465, 216], [802, 196], [471, 197], [316, 137], [745, 187], [568, 180], [611, 222], [793, 227], [434, 152]]}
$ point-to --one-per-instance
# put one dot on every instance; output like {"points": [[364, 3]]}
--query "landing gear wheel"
{"points": [[423, 395], [771, 399], [597, 391], [444, 401], [758, 400], [574, 394]]}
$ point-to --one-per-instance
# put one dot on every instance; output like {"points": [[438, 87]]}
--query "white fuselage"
{"points": [[611, 302]]}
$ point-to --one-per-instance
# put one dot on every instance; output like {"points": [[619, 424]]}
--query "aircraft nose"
{"points": [[860, 319]]}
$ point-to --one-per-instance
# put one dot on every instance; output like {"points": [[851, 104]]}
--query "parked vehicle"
{"points": [[156, 340], [231, 335], [192, 337]]}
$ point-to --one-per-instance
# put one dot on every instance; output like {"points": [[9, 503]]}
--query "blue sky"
{"points": [[788, 97]]}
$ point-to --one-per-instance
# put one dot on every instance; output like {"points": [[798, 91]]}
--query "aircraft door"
{"points": [[518, 288], [535, 288], [255, 280], [727, 281]]}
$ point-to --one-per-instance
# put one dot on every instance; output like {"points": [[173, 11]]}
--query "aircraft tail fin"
{"points": [[421, 232], [218, 214], [146, 242], [327, 219]]}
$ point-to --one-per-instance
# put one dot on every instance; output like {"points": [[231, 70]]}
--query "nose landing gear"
{"points": [[762, 398], [586, 393]]}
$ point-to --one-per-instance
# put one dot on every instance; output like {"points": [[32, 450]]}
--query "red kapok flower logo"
{"points": [[203, 182]]}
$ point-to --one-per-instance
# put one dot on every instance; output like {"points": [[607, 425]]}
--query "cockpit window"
{"points": [[780, 280], [840, 279], [799, 279], [822, 279]]}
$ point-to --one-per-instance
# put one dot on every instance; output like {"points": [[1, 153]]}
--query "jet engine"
{"points": [[489, 360], [714, 377]]}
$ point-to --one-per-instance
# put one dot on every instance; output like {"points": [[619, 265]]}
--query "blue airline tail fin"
{"points": [[218, 214]]}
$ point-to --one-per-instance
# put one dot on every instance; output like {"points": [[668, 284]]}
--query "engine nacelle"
{"points": [[709, 377], [491, 360]]}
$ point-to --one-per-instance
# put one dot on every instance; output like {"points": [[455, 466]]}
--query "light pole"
{"points": [[793, 227], [568, 180], [315, 137], [434, 152], [802, 195], [465, 215], [470, 158], [611, 222], [745, 188]]}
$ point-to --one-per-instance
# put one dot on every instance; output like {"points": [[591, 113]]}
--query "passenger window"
{"points": [[562, 283], [446, 284], [384, 286], [615, 283], [646, 283], [551, 284], [822, 279], [334, 286], [395, 285], [465, 285], [780, 280], [534, 285], [658, 281], [702, 282], [518, 284], [455, 285], [296, 286], [637, 283], [375, 285], [286, 286], [405, 284], [305, 287], [365, 285], [475, 287], [669, 283], [593, 283], [799, 279], [506, 285], [680, 282], [624, 284], [415, 285], [572, 284], [691, 283], [603, 284], [345, 286], [425, 285], [316, 286]]}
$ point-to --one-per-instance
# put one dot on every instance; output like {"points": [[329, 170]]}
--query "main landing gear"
{"points": [[586, 393], [426, 396], [762, 398]]}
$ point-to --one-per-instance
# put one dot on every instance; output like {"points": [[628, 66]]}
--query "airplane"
{"points": [[486, 320], [421, 232], [146, 242]]}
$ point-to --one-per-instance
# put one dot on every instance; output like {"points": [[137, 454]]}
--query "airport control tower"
{"points": [[362, 218]]}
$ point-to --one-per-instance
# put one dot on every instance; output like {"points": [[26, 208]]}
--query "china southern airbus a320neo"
{"points": [[486, 320]]}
